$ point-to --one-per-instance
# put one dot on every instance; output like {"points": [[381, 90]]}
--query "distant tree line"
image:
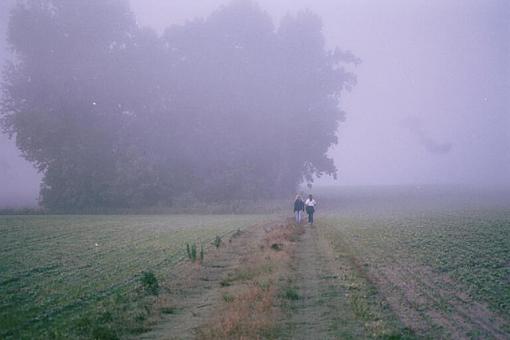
{"points": [[115, 115]]}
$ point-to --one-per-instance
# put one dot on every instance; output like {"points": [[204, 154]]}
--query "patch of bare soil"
{"points": [[431, 303]]}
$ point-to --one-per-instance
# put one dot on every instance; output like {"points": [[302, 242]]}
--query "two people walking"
{"points": [[300, 206]]}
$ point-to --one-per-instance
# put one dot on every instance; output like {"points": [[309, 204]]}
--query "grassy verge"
{"points": [[251, 294]]}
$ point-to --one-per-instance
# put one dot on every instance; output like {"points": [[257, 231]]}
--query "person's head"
{"points": [[298, 197], [310, 196]]}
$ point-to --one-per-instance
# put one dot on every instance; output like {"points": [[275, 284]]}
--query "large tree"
{"points": [[223, 108], [66, 92]]}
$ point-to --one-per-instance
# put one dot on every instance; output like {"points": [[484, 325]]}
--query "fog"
{"points": [[19, 182], [431, 104], [443, 66]]}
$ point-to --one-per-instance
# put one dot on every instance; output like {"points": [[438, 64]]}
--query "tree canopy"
{"points": [[114, 115]]}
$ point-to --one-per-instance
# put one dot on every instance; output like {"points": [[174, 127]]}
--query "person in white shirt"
{"points": [[310, 204]]}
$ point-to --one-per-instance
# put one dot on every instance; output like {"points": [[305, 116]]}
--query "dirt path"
{"points": [[286, 282], [195, 292], [272, 281], [322, 310]]}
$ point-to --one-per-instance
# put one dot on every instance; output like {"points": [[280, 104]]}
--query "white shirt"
{"points": [[310, 202]]}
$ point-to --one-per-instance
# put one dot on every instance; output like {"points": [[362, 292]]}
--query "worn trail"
{"points": [[322, 310], [287, 283]]}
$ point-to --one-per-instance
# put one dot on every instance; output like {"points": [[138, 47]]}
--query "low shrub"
{"points": [[150, 283]]}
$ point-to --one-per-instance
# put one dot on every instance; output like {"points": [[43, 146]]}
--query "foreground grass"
{"points": [[81, 276]]}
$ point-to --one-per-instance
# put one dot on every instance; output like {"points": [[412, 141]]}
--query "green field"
{"points": [[471, 247], [426, 262], [442, 256], [79, 276]]}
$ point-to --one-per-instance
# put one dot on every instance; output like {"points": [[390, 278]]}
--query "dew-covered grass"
{"points": [[79, 276]]}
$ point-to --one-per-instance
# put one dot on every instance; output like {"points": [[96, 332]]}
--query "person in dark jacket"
{"points": [[299, 208]]}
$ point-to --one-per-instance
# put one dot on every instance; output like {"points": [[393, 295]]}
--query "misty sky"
{"points": [[432, 103]]}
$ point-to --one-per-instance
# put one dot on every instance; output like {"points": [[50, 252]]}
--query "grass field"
{"points": [[79, 276], [441, 262], [394, 262], [471, 247]]}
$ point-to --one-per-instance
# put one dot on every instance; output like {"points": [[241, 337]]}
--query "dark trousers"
{"points": [[310, 211]]}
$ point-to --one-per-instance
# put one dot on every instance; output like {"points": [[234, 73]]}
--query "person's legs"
{"points": [[297, 216], [311, 217]]}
